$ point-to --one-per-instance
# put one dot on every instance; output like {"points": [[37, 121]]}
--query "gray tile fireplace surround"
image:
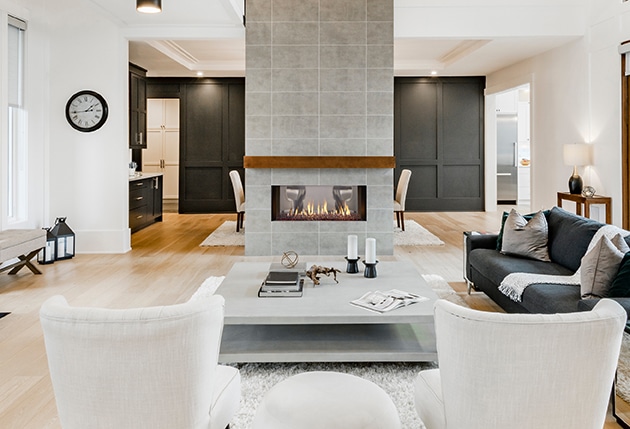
{"points": [[319, 82]]}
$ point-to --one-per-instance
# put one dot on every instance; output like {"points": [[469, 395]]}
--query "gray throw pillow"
{"points": [[526, 238], [600, 266]]}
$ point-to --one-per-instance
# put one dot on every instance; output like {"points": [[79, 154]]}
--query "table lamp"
{"points": [[576, 154]]}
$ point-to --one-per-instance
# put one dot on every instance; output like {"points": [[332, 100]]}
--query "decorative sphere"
{"points": [[289, 259], [588, 191]]}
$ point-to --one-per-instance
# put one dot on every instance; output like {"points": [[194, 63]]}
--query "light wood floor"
{"points": [[165, 266]]}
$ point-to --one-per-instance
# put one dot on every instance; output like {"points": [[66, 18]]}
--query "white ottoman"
{"points": [[326, 400]]}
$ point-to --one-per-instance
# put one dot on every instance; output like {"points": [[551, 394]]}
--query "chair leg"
{"points": [[242, 219], [238, 221], [397, 218], [402, 220]]}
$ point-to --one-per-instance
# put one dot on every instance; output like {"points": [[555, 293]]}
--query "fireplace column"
{"points": [[319, 82]]}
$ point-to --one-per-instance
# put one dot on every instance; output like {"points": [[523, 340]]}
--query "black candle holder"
{"points": [[352, 267], [370, 269]]}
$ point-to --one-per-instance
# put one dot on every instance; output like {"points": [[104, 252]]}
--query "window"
{"points": [[16, 149]]}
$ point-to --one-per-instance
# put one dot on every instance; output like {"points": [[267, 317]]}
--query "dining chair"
{"points": [[239, 198], [401, 196]]}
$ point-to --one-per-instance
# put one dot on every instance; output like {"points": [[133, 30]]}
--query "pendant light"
{"points": [[149, 6]]}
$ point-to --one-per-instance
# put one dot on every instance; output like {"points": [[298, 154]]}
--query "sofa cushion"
{"points": [[496, 266], [527, 216], [528, 238], [551, 298], [600, 266], [620, 286], [569, 237]]}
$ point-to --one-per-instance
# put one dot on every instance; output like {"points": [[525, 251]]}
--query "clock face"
{"points": [[86, 111]]}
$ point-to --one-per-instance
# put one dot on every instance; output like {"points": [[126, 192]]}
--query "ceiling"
{"points": [[447, 37]]}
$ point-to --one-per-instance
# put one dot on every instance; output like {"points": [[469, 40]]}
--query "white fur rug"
{"points": [[225, 235], [414, 235], [623, 369], [396, 378]]}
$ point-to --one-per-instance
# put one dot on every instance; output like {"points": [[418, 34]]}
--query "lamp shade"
{"points": [[149, 6], [577, 154]]}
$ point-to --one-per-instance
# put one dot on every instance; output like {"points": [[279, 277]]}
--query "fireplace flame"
{"points": [[320, 211]]}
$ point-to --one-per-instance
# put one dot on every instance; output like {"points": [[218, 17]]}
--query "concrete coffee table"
{"points": [[322, 325]]}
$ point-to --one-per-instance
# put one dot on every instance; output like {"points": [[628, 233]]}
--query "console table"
{"points": [[580, 200]]}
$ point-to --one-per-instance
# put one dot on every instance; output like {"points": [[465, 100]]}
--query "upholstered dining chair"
{"points": [[401, 196], [521, 371], [153, 367], [239, 198]]}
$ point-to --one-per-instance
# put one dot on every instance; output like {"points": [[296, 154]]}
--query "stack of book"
{"points": [[282, 284]]}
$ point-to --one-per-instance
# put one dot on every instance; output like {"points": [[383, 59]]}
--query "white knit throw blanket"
{"points": [[514, 284]]}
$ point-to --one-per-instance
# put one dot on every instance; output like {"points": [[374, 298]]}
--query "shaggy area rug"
{"points": [[623, 369], [396, 378], [225, 235], [414, 235]]}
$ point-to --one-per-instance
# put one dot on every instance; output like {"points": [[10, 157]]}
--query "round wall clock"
{"points": [[86, 111]]}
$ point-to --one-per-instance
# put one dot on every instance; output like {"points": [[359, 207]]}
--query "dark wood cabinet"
{"points": [[145, 202], [137, 107]]}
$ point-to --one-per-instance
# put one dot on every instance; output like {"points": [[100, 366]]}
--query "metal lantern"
{"points": [[65, 239], [48, 254]]}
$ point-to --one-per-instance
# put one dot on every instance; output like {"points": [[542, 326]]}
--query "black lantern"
{"points": [[65, 239], [48, 254]]}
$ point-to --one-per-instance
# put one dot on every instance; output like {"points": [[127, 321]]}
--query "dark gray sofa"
{"points": [[569, 237]]}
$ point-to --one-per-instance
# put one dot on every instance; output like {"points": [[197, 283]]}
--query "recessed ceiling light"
{"points": [[199, 73], [434, 73], [149, 6]]}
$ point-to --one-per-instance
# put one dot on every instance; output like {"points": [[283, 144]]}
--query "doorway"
{"points": [[513, 150], [162, 152]]}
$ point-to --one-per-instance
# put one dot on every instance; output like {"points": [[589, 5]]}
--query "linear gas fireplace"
{"points": [[318, 203]]}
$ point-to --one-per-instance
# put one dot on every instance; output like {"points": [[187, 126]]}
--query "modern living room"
{"points": [[578, 71]]}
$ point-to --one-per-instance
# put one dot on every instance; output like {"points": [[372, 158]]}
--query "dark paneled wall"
{"points": [[439, 136], [212, 138]]}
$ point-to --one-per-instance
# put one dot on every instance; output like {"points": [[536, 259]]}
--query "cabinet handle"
{"points": [[139, 184], [139, 217], [139, 198]]}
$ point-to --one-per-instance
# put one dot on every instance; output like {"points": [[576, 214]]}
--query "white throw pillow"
{"points": [[523, 238], [600, 266]]}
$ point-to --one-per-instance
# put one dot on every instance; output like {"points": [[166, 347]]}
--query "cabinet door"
{"points": [[153, 154], [171, 113], [171, 163], [155, 113]]}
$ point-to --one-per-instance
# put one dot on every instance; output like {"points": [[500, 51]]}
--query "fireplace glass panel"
{"points": [[318, 203]]}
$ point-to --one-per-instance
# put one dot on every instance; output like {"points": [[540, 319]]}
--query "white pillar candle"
{"points": [[353, 247], [370, 250]]}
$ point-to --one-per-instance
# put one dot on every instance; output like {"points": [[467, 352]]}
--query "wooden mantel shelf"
{"points": [[319, 161]]}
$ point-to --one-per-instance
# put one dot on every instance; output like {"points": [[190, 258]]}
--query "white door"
{"points": [[162, 152]]}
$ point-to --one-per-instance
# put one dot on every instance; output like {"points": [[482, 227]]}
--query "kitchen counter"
{"points": [[140, 176]]}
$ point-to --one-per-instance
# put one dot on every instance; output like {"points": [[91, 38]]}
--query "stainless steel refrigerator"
{"points": [[507, 159]]}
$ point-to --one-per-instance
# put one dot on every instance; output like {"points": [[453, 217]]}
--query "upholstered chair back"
{"points": [[401, 189], [136, 368], [239, 194], [521, 371]]}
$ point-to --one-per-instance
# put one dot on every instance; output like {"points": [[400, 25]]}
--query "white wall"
{"points": [[83, 175], [576, 97]]}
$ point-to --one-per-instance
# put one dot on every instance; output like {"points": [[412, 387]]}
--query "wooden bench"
{"points": [[18, 247]]}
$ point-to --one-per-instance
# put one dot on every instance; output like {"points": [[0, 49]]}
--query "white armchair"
{"points": [[521, 371], [153, 367]]}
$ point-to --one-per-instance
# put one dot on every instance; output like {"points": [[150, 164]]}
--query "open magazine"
{"points": [[386, 301]]}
